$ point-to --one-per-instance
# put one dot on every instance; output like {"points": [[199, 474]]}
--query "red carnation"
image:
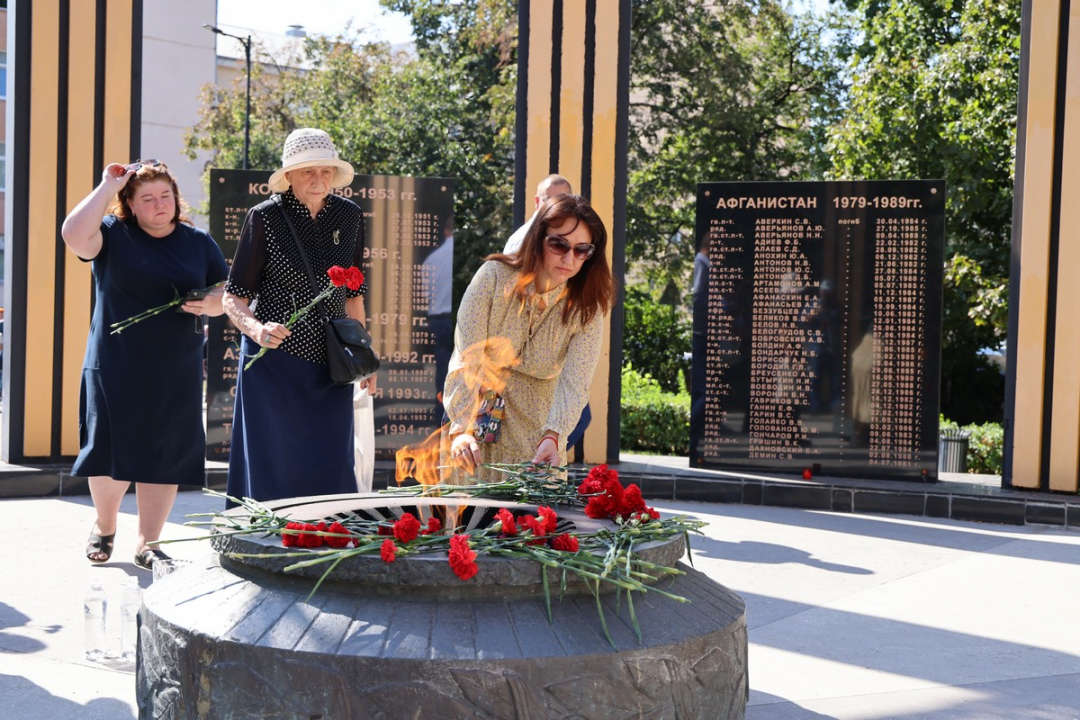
{"points": [[308, 538], [509, 528], [434, 525], [590, 486], [654, 514], [598, 507], [354, 278], [462, 558], [537, 527], [387, 551], [549, 517], [291, 539], [406, 528], [565, 543], [608, 504], [631, 502], [338, 275], [596, 479], [384, 530], [338, 542]]}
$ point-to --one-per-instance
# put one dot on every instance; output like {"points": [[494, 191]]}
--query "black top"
{"points": [[269, 270]]}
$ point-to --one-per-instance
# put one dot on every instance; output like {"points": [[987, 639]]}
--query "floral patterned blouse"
{"points": [[548, 364]]}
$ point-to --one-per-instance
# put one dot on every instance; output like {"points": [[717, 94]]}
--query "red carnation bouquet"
{"points": [[350, 277], [607, 498], [527, 527]]}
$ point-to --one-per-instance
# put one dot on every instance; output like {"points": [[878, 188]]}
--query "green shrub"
{"points": [[656, 338], [652, 420], [984, 455], [985, 447]]}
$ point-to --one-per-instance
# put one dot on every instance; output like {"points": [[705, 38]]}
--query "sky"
{"points": [[328, 17], [324, 17]]}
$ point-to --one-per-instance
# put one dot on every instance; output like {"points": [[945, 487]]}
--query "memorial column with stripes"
{"points": [[572, 119], [76, 77], [1042, 440]]}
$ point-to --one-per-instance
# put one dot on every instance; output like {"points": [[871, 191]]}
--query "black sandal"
{"points": [[148, 557], [99, 545]]}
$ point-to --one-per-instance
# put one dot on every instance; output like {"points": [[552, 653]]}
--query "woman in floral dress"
{"points": [[529, 330]]}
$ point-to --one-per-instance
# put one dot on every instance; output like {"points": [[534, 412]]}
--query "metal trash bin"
{"points": [[952, 452]]}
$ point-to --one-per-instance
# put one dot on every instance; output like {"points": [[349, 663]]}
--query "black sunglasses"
{"points": [[559, 246], [152, 162]]}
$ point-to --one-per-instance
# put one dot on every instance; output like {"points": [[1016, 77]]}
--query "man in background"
{"points": [[439, 313], [549, 187]]}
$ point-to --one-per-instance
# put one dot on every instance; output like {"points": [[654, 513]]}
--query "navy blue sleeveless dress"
{"points": [[141, 400]]}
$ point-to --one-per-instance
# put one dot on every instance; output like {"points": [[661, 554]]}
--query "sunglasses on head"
{"points": [[559, 246], [138, 164]]}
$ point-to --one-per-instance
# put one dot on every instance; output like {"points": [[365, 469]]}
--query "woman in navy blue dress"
{"points": [[141, 407], [292, 431]]}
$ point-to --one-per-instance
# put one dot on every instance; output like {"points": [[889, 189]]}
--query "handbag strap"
{"points": [[303, 255]]}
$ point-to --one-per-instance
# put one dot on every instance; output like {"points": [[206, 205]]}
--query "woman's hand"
{"points": [[82, 228], [547, 452], [116, 176], [209, 306], [369, 384], [270, 335], [465, 452]]}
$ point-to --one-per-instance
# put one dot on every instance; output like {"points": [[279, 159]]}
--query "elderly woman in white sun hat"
{"points": [[292, 431]]}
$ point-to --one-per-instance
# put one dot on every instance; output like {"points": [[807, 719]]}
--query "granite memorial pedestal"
{"points": [[237, 638]]}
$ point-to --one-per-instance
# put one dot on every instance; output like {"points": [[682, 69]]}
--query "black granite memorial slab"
{"points": [[408, 263], [817, 337]]}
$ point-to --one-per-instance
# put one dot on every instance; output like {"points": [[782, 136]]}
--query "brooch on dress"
{"points": [[337, 237]]}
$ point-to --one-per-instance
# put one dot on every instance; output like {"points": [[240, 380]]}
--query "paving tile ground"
{"points": [[855, 617]]}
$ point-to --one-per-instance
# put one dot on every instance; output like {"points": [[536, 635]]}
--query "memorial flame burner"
{"points": [[236, 637]]}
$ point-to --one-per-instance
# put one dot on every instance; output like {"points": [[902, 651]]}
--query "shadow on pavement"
{"points": [[13, 642], [759, 552], [34, 702]]}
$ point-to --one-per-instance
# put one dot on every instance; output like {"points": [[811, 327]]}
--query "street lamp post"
{"points": [[246, 42]]}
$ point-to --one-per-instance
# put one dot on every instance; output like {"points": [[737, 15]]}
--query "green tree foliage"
{"points": [[652, 420], [933, 94], [656, 339], [738, 90], [721, 90], [446, 111], [985, 445]]}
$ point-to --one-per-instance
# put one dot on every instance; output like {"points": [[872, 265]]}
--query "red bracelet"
{"points": [[547, 437]]}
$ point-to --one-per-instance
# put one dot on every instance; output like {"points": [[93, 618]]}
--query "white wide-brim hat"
{"points": [[308, 147]]}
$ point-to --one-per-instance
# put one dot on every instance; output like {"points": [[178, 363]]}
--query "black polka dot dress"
{"points": [[292, 432], [268, 269]]}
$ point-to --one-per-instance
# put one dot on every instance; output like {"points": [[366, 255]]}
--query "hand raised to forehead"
{"points": [[117, 175]]}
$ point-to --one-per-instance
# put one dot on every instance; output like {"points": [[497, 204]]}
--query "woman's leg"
{"points": [[155, 503], [107, 495]]}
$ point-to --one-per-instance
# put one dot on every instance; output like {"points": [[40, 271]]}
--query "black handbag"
{"points": [[348, 351], [348, 344]]}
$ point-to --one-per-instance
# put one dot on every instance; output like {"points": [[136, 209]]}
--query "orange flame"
{"points": [[420, 461], [483, 366]]}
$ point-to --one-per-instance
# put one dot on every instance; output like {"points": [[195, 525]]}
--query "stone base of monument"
{"points": [[221, 639]]}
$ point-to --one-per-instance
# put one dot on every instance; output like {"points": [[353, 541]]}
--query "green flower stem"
{"points": [[296, 317], [604, 556], [323, 577], [121, 326], [252, 531]]}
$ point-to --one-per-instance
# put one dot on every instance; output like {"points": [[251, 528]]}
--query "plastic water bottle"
{"points": [[94, 606], [130, 602]]}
